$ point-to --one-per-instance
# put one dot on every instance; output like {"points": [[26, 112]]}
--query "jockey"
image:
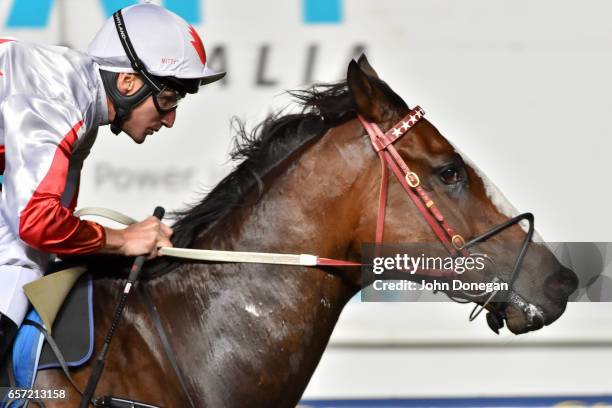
{"points": [[139, 66]]}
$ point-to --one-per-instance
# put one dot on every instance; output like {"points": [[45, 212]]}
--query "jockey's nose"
{"points": [[168, 118]]}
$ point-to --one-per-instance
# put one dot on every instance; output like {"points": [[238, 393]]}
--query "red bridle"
{"points": [[454, 243], [390, 158]]}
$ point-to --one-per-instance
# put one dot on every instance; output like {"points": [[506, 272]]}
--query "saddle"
{"points": [[58, 331]]}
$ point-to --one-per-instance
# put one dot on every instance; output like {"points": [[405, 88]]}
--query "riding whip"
{"points": [[101, 360]]}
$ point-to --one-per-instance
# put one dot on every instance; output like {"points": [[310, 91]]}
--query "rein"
{"points": [[222, 256]]}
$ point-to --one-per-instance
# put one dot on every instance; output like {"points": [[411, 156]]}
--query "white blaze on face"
{"points": [[498, 199]]}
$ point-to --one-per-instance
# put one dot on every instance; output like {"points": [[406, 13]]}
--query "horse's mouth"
{"points": [[519, 321], [519, 315]]}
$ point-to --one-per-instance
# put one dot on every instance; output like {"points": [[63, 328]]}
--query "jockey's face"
{"points": [[145, 119]]}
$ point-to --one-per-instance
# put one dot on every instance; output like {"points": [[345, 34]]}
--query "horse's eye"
{"points": [[451, 175]]}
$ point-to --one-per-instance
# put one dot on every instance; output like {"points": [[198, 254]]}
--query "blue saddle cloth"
{"points": [[73, 332], [26, 351]]}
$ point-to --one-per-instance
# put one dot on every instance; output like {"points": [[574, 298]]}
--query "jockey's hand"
{"points": [[141, 238]]}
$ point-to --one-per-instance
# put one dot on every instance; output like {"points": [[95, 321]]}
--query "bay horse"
{"points": [[251, 335]]}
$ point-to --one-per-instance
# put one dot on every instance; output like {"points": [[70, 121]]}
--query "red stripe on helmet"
{"points": [[197, 44]]}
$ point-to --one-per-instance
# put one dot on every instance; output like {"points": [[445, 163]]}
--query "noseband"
{"points": [[454, 242]]}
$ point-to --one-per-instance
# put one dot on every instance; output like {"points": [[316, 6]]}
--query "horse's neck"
{"points": [[311, 203], [253, 334]]}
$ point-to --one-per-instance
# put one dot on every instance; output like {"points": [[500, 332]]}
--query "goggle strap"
{"points": [[137, 64]]}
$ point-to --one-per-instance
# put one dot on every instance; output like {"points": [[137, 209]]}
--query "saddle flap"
{"points": [[48, 293]]}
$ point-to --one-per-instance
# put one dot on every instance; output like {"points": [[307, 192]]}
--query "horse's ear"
{"points": [[370, 99], [365, 66]]}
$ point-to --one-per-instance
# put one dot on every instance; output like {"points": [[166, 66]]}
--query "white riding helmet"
{"points": [[165, 43]]}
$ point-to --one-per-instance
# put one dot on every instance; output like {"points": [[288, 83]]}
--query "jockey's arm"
{"points": [[40, 137]]}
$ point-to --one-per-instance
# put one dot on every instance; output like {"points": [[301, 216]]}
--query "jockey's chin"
{"points": [[138, 137], [145, 120]]}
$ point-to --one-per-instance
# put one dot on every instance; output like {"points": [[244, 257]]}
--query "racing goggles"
{"points": [[167, 100]]}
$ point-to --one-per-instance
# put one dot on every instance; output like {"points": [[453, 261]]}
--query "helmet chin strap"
{"points": [[123, 104]]}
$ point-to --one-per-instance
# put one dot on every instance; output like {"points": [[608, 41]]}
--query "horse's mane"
{"points": [[271, 142]]}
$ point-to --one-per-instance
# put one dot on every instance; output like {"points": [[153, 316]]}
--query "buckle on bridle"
{"points": [[412, 179], [458, 242]]}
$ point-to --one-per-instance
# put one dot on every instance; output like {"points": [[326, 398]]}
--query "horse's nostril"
{"points": [[560, 285]]}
